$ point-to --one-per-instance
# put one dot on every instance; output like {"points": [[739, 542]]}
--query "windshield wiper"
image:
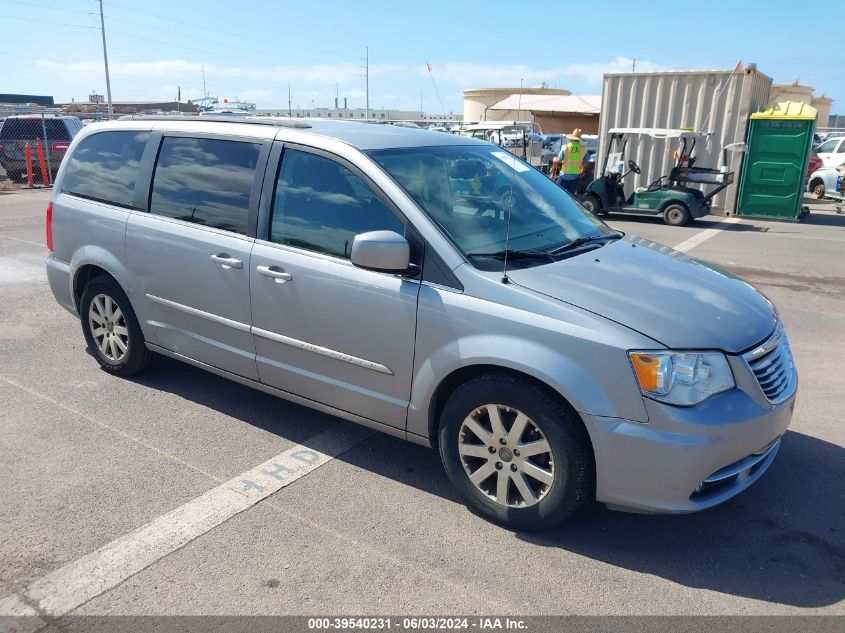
{"points": [[514, 255], [586, 239]]}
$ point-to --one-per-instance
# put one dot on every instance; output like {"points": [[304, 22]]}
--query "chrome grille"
{"points": [[772, 364]]}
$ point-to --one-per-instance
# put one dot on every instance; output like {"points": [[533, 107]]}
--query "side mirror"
{"points": [[382, 251]]}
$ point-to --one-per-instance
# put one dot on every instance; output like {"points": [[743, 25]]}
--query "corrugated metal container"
{"points": [[717, 102]]}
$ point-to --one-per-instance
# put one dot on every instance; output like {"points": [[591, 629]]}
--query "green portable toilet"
{"points": [[774, 170]]}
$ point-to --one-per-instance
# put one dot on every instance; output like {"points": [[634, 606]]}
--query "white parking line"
{"points": [[17, 239], [702, 236], [68, 587]]}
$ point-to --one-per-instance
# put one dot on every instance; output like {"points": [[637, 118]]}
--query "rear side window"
{"points": [[320, 205], [104, 167], [31, 128], [205, 181]]}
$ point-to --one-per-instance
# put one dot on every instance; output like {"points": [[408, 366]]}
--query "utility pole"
{"points": [[105, 57], [290, 113], [634, 65], [367, 75]]}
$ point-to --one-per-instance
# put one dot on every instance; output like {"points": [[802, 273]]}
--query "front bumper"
{"points": [[686, 459]]}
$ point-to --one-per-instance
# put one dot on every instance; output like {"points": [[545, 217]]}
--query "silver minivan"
{"points": [[433, 287]]}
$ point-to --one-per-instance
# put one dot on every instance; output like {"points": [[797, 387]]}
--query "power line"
{"points": [[48, 6], [39, 21], [208, 40], [170, 19], [176, 33]]}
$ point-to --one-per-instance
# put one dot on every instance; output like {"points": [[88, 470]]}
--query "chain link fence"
{"points": [[33, 145]]}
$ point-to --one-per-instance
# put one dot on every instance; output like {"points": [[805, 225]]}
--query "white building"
{"points": [[360, 114]]}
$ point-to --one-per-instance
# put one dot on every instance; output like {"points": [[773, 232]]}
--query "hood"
{"points": [[674, 299]]}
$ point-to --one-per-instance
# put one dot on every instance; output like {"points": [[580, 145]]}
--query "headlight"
{"points": [[682, 378]]}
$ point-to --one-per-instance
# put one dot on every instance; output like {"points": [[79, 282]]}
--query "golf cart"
{"points": [[668, 196]]}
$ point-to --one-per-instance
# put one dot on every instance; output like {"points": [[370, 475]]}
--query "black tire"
{"points": [[136, 357], [571, 453], [592, 204], [817, 188], [676, 214]]}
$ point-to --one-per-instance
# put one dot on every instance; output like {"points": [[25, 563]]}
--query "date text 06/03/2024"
{"points": [[416, 623]]}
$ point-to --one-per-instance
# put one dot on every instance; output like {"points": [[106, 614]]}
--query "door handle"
{"points": [[227, 262], [278, 275]]}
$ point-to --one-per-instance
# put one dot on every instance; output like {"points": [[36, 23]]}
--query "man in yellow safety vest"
{"points": [[570, 161]]}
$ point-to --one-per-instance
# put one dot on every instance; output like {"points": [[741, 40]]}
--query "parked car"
{"points": [[549, 139], [832, 151], [828, 182], [360, 270], [17, 131], [589, 141], [813, 163]]}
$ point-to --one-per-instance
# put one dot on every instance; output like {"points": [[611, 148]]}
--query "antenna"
{"points": [[510, 198]]}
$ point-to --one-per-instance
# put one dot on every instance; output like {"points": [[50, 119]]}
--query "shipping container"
{"points": [[715, 102]]}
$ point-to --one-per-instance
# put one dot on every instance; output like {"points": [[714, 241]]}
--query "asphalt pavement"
{"points": [[87, 459]]}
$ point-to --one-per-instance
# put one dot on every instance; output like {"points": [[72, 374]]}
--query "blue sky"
{"points": [[252, 48]]}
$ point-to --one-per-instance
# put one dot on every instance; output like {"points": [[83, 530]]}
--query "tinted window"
{"points": [[104, 167], [321, 205], [207, 181], [31, 128]]}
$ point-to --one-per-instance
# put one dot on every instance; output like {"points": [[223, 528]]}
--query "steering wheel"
{"points": [[634, 167], [498, 212]]}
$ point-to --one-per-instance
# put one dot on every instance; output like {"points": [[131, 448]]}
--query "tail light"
{"points": [[59, 146], [49, 224]]}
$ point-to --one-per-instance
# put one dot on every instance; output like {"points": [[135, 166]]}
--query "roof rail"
{"points": [[265, 120]]}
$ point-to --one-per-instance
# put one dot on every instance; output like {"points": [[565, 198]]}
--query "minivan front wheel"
{"points": [[111, 328], [515, 451]]}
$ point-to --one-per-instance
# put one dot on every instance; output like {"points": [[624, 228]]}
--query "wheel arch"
{"points": [[684, 201], [93, 261], [83, 275], [447, 386]]}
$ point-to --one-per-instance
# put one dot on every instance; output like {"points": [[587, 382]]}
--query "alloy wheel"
{"points": [[108, 328], [506, 455]]}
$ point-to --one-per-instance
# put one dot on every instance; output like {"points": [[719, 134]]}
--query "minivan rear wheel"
{"points": [[515, 451], [111, 328]]}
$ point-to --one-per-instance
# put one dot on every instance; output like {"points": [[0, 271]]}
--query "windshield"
{"points": [[466, 189]]}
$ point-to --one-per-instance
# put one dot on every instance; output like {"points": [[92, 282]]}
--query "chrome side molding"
{"points": [[278, 338], [323, 351]]}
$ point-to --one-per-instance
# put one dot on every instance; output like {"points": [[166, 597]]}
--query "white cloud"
{"points": [[399, 85], [469, 75]]}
